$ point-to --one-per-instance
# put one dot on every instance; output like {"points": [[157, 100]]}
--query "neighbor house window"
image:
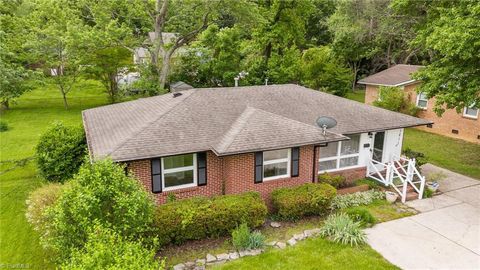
{"points": [[340, 155], [471, 112], [276, 164], [422, 100], [179, 171]]}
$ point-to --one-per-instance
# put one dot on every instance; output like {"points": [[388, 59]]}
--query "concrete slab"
{"points": [[470, 195], [436, 202], [459, 223], [452, 180], [411, 245]]}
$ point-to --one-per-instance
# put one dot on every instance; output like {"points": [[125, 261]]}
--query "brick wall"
{"points": [[468, 128], [142, 170], [239, 174], [235, 174]]}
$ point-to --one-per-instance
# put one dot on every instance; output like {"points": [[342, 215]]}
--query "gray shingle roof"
{"points": [[394, 76], [228, 120]]}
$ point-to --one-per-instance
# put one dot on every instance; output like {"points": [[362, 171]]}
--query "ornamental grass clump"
{"points": [[356, 199], [243, 238], [340, 228]]}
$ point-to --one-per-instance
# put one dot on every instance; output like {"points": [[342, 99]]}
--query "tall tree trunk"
{"points": [[162, 79], [64, 96], [355, 71]]}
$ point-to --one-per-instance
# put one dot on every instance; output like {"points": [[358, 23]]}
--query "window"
{"points": [[470, 112], [179, 171], [276, 164], [422, 100], [340, 155]]}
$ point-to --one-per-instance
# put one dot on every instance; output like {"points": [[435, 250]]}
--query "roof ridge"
{"points": [[142, 128], [242, 121]]}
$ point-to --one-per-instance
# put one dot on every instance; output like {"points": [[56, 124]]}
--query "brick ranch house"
{"points": [[464, 125], [215, 141]]}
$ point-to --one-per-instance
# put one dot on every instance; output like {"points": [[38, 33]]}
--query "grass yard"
{"points": [[27, 120], [357, 95], [452, 154], [314, 253]]}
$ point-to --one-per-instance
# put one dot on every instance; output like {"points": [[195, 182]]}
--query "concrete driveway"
{"points": [[444, 235]]}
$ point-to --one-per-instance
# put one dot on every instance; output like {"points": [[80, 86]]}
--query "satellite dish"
{"points": [[326, 122]]}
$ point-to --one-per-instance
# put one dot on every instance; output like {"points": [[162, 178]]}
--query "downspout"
{"points": [[314, 163]]}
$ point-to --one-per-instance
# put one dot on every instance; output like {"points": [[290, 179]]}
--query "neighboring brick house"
{"points": [[217, 141], [464, 125]]}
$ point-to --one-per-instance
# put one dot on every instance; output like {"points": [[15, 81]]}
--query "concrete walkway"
{"points": [[444, 235]]}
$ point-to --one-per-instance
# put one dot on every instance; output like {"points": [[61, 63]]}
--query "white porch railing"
{"points": [[398, 173]]}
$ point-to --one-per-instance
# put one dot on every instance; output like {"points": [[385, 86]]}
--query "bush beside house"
{"points": [[60, 152], [305, 200], [100, 194], [202, 217]]}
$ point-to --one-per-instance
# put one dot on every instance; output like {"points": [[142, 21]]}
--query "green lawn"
{"points": [[314, 253], [453, 154], [358, 95], [27, 120]]}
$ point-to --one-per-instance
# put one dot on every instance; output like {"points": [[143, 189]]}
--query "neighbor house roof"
{"points": [[229, 120], [397, 75]]}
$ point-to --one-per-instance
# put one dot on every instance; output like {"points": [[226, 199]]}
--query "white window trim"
{"points": [[274, 161], [338, 156], [180, 169], [470, 116], [418, 99]]}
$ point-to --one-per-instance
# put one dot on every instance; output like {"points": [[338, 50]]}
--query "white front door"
{"points": [[378, 146]]}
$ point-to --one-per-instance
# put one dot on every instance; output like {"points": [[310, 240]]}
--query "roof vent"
{"points": [[177, 94], [326, 122]]}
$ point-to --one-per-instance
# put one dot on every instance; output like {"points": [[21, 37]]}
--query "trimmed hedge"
{"points": [[305, 200], [335, 180], [201, 217]]}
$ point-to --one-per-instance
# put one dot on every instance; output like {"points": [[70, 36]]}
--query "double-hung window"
{"points": [[179, 171], [276, 164], [340, 155], [422, 100], [470, 112]]}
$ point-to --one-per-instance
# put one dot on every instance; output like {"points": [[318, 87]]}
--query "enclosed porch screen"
{"points": [[340, 155], [276, 164], [179, 171]]}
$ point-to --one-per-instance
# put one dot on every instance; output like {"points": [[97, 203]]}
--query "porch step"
{"points": [[413, 195]]}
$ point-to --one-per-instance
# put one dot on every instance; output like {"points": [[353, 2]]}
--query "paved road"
{"points": [[444, 235]]}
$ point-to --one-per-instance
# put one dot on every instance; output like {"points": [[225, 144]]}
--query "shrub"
{"points": [[394, 99], [334, 180], [305, 200], [201, 217], [101, 194], [60, 152], [427, 193], [243, 238], [38, 201], [362, 215], [3, 126], [106, 249], [356, 199], [342, 229], [419, 157]]}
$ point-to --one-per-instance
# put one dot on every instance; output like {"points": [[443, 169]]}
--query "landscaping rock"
{"points": [[210, 258], [189, 265], [281, 245], [233, 255], [243, 253], [299, 236], [292, 241], [272, 243], [200, 267], [256, 252], [200, 262], [222, 257], [312, 232], [179, 266], [275, 224]]}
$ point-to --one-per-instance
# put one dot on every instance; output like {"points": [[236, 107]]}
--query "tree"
{"points": [[105, 65], [55, 27], [322, 70], [394, 99], [14, 76], [100, 194], [451, 34]]}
